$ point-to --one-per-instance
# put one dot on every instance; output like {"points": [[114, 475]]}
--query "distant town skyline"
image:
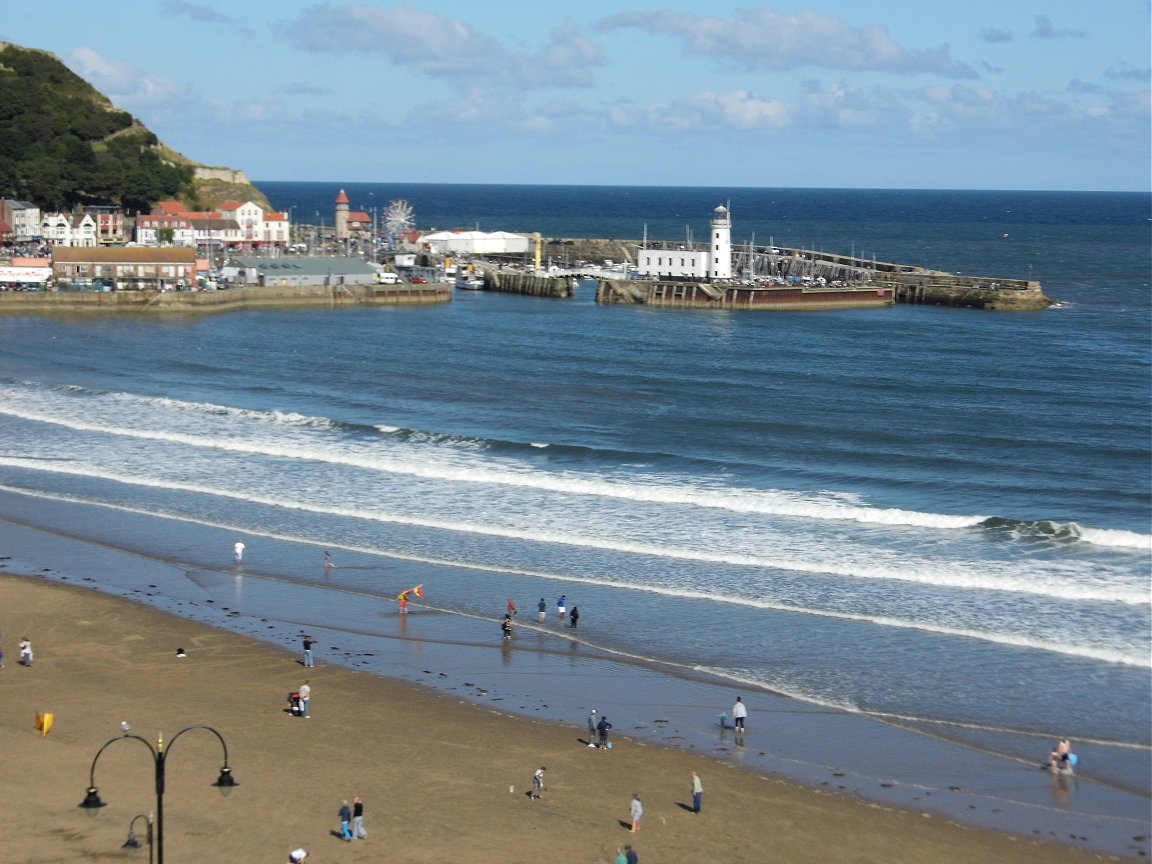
{"points": [[892, 94]]}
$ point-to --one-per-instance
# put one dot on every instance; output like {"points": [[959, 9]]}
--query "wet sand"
{"points": [[443, 779]]}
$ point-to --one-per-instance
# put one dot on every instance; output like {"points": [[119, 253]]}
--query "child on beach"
{"points": [[538, 782], [636, 810], [602, 727], [25, 652], [506, 627]]}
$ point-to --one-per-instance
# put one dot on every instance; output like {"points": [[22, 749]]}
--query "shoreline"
{"points": [[469, 677], [437, 777]]}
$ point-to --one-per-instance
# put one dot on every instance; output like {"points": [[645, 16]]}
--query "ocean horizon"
{"points": [[935, 520]]}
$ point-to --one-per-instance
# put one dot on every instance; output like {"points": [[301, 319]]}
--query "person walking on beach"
{"points": [[328, 565], [511, 607], [1, 657], [739, 715], [358, 831], [602, 727], [538, 782], [637, 810], [403, 598], [308, 643], [562, 606], [506, 626], [346, 822], [574, 618], [697, 792], [238, 550], [25, 652], [305, 693], [592, 728], [542, 609]]}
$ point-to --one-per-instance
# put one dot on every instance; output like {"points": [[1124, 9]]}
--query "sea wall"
{"points": [[703, 295], [929, 288], [524, 283], [21, 302]]}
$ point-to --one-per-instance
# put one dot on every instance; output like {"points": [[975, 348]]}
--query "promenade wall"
{"points": [[223, 301]]}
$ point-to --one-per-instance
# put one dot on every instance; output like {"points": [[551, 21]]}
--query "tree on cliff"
{"points": [[63, 143]]}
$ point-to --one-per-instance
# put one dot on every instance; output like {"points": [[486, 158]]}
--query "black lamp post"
{"points": [[225, 782], [132, 842]]}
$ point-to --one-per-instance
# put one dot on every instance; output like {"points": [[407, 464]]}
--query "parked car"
{"points": [[418, 280]]}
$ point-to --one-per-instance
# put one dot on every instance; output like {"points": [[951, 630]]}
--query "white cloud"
{"points": [[766, 39], [437, 47], [123, 83], [1044, 29], [993, 35]]}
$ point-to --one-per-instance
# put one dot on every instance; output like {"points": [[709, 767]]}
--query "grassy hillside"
{"points": [[63, 143]]}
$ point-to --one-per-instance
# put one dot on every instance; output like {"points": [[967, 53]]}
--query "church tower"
{"points": [[342, 216], [720, 267]]}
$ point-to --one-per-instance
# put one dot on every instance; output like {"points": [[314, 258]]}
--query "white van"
{"points": [[388, 278]]}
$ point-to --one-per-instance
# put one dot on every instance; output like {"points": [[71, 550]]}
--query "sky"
{"points": [[906, 94]]}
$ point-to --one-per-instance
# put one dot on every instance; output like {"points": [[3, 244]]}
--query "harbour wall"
{"points": [[703, 295], [887, 281], [224, 301], [525, 283]]}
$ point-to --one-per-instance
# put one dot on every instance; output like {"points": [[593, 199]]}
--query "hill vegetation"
{"points": [[63, 143]]}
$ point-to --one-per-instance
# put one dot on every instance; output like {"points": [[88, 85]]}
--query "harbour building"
{"points": [[686, 261]]}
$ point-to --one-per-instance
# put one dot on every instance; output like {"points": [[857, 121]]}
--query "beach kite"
{"points": [[403, 596]]}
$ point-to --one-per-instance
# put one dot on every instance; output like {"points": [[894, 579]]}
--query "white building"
{"points": [[476, 243], [23, 218], [164, 228], [62, 229], [685, 262], [257, 227]]}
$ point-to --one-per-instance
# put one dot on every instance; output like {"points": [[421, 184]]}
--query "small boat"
{"points": [[470, 281]]}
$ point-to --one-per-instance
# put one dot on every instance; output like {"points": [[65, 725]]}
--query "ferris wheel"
{"points": [[398, 217]]}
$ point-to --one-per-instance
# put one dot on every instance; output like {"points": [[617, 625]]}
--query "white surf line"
{"points": [[962, 582]]}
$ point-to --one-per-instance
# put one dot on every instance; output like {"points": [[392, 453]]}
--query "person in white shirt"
{"points": [[739, 714], [305, 693]]}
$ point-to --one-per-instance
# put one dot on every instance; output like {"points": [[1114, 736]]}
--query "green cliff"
{"points": [[63, 143]]}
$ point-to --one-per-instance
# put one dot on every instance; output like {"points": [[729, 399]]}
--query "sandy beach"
{"points": [[442, 779]]}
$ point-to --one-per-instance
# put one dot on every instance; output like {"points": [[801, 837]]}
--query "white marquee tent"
{"points": [[477, 242]]}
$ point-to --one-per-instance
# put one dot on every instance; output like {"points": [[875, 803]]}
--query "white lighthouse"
{"points": [[720, 267], [696, 261]]}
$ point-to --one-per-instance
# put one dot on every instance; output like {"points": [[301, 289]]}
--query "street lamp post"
{"points": [[132, 842], [225, 782]]}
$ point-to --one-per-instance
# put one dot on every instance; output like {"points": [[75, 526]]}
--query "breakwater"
{"points": [[506, 282], [224, 301], [703, 295], [787, 278]]}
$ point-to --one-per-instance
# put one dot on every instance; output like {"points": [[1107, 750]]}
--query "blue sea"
{"points": [[937, 518]]}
